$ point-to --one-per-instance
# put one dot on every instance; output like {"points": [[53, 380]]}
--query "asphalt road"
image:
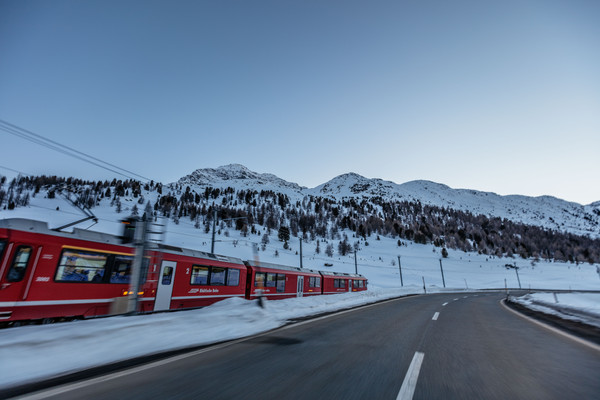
{"points": [[473, 348]]}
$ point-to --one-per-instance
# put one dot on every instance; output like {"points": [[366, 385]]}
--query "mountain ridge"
{"points": [[545, 211]]}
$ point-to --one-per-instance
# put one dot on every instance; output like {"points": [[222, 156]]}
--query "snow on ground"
{"points": [[582, 307]]}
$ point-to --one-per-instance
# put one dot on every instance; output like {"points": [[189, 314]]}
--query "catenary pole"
{"points": [[517, 272], [301, 250], [141, 228], [400, 267], [442, 269], [212, 243]]}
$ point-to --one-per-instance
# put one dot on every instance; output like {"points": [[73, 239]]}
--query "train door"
{"points": [[17, 270], [165, 286], [300, 286], [349, 285]]}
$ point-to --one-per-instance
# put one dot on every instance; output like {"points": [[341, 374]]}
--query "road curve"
{"points": [[446, 346]]}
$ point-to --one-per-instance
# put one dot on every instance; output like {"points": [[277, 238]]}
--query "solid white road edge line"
{"points": [[435, 316], [410, 380], [45, 393], [553, 329]]}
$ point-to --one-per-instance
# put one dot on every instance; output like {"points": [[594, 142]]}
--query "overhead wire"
{"points": [[59, 147], [348, 260], [15, 171]]}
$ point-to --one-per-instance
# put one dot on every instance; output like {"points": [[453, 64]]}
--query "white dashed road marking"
{"points": [[410, 380]]}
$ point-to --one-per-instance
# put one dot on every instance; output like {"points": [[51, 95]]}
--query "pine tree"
{"points": [[283, 234], [329, 250]]}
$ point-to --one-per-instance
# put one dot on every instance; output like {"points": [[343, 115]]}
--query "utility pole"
{"points": [[442, 269], [141, 229], [301, 250], [517, 272], [355, 263], [424, 288], [514, 266], [212, 243], [400, 267]]}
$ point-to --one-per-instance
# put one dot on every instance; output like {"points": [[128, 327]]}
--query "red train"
{"points": [[47, 275]]}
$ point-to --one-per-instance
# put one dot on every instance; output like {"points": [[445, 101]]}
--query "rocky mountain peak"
{"points": [[237, 176]]}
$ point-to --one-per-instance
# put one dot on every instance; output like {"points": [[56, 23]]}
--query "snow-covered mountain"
{"points": [[544, 211], [239, 177]]}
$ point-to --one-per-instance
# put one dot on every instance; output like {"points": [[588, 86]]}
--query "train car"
{"points": [[359, 283], [338, 282], [45, 275], [186, 278], [276, 281]]}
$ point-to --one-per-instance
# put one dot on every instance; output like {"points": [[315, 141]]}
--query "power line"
{"points": [[59, 147], [15, 171]]}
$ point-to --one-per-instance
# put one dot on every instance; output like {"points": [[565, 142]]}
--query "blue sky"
{"points": [[494, 96]]}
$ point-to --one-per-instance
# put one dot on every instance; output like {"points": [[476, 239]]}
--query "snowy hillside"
{"points": [[189, 224], [544, 211], [349, 212]]}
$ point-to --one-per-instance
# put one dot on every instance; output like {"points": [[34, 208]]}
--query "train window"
{"points": [[342, 283], [314, 281], [144, 272], [233, 277], [217, 276], [205, 275], [336, 283], [167, 275], [259, 280], [199, 275], [81, 266], [2, 246], [121, 272], [16, 273], [280, 283], [270, 280]]}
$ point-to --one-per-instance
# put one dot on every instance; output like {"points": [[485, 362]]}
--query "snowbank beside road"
{"points": [[581, 307]]}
